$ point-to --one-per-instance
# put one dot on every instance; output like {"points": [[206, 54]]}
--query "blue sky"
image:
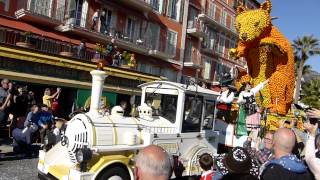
{"points": [[298, 18]]}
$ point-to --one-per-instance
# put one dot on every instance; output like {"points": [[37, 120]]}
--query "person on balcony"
{"points": [[103, 27], [81, 49], [95, 18], [117, 59]]}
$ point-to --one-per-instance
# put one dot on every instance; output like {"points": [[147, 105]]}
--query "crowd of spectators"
{"points": [[27, 120], [274, 157]]}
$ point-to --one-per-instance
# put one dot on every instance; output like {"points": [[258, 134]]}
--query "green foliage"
{"points": [[126, 56], [100, 48], [311, 93], [304, 48]]}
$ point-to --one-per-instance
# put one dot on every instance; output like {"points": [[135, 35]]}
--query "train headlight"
{"points": [[83, 155]]}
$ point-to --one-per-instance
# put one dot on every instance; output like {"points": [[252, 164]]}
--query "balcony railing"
{"points": [[80, 25], [44, 45], [195, 28], [216, 22], [192, 61], [40, 11]]}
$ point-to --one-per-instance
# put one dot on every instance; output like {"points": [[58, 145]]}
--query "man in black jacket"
{"points": [[285, 166]]}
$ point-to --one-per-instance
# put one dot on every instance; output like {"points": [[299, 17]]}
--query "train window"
{"points": [[192, 113], [163, 105], [209, 114]]}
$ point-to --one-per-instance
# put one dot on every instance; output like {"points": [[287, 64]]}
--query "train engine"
{"points": [[175, 116]]}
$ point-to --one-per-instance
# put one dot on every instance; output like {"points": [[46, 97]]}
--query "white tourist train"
{"points": [[177, 117]]}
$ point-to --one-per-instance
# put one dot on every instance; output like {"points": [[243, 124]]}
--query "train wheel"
{"points": [[114, 173]]}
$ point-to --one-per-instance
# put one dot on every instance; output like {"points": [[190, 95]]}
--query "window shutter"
{"points": [[60, 9], [169, 8], [180, 10], [84, 14], [161, 3]]}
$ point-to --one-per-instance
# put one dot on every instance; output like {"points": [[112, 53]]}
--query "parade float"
{"points": [[175, 116], [269, 56]]}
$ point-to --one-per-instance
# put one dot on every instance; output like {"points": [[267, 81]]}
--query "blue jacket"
{"points": [[43, 117]]}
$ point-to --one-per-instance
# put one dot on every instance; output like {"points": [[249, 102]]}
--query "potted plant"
{"points": [[99, 51], [125, 60], [26, 43]]}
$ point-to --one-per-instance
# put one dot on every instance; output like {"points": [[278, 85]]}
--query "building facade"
{"points": [[170, 39], [210, 35]]}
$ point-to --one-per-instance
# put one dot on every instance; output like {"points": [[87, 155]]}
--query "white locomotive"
{"points": [[175, 116]]}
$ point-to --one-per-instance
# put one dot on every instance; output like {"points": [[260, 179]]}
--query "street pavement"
{"points": [[16, 166]]}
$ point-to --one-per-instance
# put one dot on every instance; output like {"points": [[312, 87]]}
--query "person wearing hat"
{"points": [[237, 164], [224, 102]]}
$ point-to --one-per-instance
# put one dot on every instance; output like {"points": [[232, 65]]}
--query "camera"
{"points": [[314, 120]]}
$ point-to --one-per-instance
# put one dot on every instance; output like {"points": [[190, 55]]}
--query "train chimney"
{"points": [[97, 86]]}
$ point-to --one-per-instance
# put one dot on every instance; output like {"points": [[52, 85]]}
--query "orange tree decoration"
{"points": [[269, 55]]}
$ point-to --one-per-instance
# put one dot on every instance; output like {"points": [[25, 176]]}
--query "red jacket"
{"points": [[207, 175]]}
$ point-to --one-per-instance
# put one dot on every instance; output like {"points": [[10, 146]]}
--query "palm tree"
{"points": [[304, 48], [311, 93], [306, 68]]}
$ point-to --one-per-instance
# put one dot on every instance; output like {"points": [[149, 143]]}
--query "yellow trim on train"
{"points": [[105, 161]]}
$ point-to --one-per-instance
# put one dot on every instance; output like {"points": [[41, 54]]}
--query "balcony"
{"points": [[192, 60], [40, 13], [195, 29], [214, 22], [207, 48], [81, 27], [44, 45]]}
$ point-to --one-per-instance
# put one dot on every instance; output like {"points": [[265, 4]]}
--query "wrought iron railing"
{"points": [[50, 9], [45, 45]]}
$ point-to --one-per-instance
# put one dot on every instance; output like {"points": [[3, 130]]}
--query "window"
{"points": [[220, 71], [207, 69], [79, 11], [223, 19], [156, 70], [42, 7], [211, 38], [163, 105], [232, 25], [208, 114], [107, 20], [171, 42], [170, 74], [173, 9], [155, 4], [142, 67], [132, 29], [221, 44], [154, 35], [6, 4], [60, 9], [192, 18], [188, 57], [192, 113], [232, 44], [212, 10]]}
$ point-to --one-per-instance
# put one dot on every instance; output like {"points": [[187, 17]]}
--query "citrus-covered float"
{"points": [[269, 56]]}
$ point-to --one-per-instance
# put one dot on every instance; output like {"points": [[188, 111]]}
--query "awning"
{"points": [[22, 26]]}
